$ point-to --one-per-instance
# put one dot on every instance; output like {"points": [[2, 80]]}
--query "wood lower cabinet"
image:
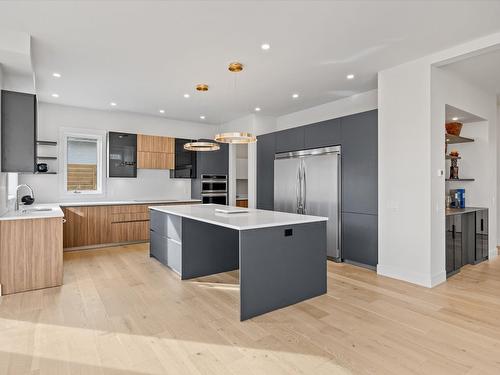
{"points": [[155, 152], [101, 225], [242, 203], [31, 254], [98, 225], [75, 227]]}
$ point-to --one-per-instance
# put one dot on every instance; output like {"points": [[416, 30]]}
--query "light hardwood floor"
{"points": [[120, 312]]}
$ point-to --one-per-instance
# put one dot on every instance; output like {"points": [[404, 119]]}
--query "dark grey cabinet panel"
{"points": [[213, 162], [359, 163], [360, 238], [266, 148], [481, 236], [468, 238], [290, 139], [323, 134], [18, 132], [450, 258], [209, 162]]}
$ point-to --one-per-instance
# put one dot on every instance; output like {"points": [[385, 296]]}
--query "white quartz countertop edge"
{"points": [[55, 211], [293, 219], [126, 202]]}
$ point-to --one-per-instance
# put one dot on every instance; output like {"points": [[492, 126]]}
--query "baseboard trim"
{"points": [[100, 246], [425, 280]]}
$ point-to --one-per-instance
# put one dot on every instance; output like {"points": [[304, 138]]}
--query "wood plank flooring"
{"points": [[121, 312]]}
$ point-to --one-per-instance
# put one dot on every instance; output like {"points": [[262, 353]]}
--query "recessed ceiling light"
{"points": [[55, 95], [186, 96], [455, 118], [112, 104], [265, 46], [257, 109], [161, 111], [295, 96], [56, 75], [202, 117], [350, 76]]}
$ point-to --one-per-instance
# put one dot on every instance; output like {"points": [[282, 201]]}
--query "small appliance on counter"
{"points": [[42, 167], [457, 198]]}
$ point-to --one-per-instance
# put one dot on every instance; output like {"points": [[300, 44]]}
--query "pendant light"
{"points": [[235, 137], [201, 145]]}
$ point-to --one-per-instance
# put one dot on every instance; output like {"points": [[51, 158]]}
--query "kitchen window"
{"points": [[82, 163]]}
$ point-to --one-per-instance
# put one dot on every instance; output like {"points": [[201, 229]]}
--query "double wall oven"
{"points": [[214, 188]]}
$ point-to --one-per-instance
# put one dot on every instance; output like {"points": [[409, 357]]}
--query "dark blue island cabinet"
{"points": [[358, 137], [281, 257]]}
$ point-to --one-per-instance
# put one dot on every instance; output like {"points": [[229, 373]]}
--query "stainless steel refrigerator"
{"points": [[308, 182]]}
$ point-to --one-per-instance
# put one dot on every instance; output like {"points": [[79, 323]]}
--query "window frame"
{"points": [[100, 137]]}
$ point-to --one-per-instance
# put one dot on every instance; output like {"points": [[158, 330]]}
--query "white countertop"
{"points": [[55, 211], [55, 208], [119, 203], [241, 221]]}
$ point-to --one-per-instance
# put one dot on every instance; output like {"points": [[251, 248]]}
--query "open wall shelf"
{"points": [[454, 139]]}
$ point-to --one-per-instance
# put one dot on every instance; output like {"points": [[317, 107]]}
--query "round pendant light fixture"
{"points": [[235, 137], [201, 146], [235, 67], [202, 87]]}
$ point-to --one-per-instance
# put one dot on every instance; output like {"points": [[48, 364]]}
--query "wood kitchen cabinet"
{"points": [[155, 152], [75, 227], [100, 225], [31, 254]]}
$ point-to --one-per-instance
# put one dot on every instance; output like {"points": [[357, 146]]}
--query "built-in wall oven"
{"points": [[214, 188]]}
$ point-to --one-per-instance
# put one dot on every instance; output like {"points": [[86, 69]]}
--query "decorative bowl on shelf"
{"points": [[454, 128]]}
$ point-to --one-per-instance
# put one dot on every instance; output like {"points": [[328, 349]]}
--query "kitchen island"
{"points": [[281, 256]]}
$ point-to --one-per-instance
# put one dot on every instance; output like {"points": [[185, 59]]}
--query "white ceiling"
{"points": [[482, 70], [145, 55]]}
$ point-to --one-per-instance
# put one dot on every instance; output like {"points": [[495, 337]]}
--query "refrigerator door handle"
{"points": [[304, 188], [298, 191]]}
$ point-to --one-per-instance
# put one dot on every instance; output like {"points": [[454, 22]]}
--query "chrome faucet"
{"points": [[18, 188]]}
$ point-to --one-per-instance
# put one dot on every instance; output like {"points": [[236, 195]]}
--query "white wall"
{"points": [[149, 184], [411, 147], [362, 102], [404, 146], [479, 159]]}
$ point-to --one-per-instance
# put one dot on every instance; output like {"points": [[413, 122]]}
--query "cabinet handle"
{"points": [[482, 225], [453, 231]]}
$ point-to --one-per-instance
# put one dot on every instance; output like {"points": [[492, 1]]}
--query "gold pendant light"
{"points": [[201, 146], [235, 137]]}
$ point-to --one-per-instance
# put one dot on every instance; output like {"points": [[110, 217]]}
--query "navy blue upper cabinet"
{"points": [[322, 134], [290, 139], [359, 163], [265, 171]]}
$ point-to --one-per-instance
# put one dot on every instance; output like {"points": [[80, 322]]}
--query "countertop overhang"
{"points": [[253, 219], [460, 211]]}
